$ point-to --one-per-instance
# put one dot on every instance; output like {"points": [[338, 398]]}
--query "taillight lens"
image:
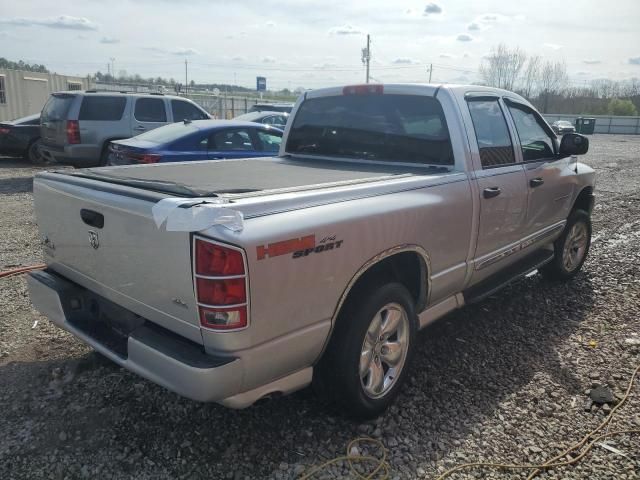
{"points": [[150, 158], [223, 318], [73, 132], [221, 286], [221, 292], [214, 260], [145, 157], [4, 131]]}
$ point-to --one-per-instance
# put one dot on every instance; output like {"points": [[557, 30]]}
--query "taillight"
{"points": [[367, 88], [221, 285], [150, 158], [145, 157], [4, 131], [73, 132]]}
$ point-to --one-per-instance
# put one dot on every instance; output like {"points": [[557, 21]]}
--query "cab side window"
{"points": [[494, 141], [535, 141]]}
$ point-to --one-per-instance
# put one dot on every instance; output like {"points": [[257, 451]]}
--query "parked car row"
{"points": [[86, 128]]}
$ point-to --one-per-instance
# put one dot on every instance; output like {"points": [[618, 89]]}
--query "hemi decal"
{"points": [[286, 246]]}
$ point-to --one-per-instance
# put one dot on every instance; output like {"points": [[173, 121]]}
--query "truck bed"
{"points": [[246, 176]]}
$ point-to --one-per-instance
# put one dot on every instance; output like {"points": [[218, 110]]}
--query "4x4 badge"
{"points": [[94, 241]]}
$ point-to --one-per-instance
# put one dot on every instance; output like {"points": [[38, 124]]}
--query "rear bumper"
{"points": [[79, 155], [148, 350]]}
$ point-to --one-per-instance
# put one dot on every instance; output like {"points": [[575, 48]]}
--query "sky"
{"points": [[297, 43]]}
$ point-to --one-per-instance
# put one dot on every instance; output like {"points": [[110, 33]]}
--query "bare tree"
{"points": [[531, 76], [553, 79], [502, 67]]}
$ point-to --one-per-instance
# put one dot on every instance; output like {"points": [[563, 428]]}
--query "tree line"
{"points": [[20, 65], [545, 83]]}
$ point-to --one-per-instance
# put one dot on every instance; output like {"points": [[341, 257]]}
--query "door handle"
{"points": [[491, 192], [92, 218], [140, 128], [536, 182]]}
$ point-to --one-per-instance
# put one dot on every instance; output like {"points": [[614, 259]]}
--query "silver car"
{"points": [[77, 126]]}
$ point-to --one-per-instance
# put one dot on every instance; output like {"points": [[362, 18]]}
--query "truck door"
{"points": [[501, 185], [549, 179]]}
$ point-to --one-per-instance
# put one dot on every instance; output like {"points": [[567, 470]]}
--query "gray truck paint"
{"points": [[457, 236]]}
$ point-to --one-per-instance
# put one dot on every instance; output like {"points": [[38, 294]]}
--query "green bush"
{"points": [[621, 107]]}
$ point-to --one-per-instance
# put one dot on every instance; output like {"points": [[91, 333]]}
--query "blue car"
{"points": [[197, 140]]}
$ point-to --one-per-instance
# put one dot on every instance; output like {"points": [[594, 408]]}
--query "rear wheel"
{"points": [[104, 156], [571, 248], [34, 155], [367, 358]]}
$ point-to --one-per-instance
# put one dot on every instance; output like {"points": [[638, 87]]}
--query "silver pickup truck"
{"points": [[387, 207]]}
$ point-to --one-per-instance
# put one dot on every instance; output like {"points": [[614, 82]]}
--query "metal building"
{"points": [[23, 93]]}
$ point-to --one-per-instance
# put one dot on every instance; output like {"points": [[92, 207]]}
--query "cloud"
{"points": [[634, 61], [268, 59], [463, 37], [184, 51], [404, 61], [270, 24], [466, 55], [591, 61], [238, 58], [109, 40], [488, 20], [552, 46], [346, 29], [446, 55], [432, 9], [62, 22]]}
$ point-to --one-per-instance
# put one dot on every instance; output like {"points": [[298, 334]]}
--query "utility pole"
{"points": [[186, 85], [366, 56], [430, 71], [113, 69]]}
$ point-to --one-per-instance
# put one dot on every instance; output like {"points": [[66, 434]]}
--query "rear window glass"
{"points": [[394, 128], [150, 110], [168, 133], [57, 107], [102, 108], [186, 111]]}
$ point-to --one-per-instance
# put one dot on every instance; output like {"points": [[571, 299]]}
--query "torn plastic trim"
{"points": [[189, 215]]}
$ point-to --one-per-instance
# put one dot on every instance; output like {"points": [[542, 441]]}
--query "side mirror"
{"points": [[573, 144]]}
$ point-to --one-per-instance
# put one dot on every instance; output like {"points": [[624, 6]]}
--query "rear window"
{"points": [[186, 111], [57, 107], [394, 128], [150, 110], [102, 108], [168, 133]]}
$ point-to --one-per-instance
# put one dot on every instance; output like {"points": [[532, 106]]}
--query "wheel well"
{"points": [[584, 200], [406, 268]]}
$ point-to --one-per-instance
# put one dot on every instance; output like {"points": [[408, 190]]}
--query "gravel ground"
{"points": [[505, 380]]}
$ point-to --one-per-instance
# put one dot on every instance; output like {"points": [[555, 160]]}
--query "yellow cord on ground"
{"points": [[382, 467]]}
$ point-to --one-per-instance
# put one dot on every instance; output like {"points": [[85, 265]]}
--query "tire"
{"points": [[33, 154], [571, 248], [355, 371], [104, 156]]}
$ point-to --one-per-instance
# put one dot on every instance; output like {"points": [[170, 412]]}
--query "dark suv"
{"points": [[76, 127]]}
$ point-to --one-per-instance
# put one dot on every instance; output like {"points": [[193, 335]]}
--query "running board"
{"points": [[504, 277]]}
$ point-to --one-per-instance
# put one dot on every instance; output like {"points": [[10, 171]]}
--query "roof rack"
{"points": [[156, 93]]}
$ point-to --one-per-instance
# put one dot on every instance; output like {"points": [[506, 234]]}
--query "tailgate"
{"points": [[128, 260], [53, 120]]}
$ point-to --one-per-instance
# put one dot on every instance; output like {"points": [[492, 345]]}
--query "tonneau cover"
{"points": [[208, 178]]}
